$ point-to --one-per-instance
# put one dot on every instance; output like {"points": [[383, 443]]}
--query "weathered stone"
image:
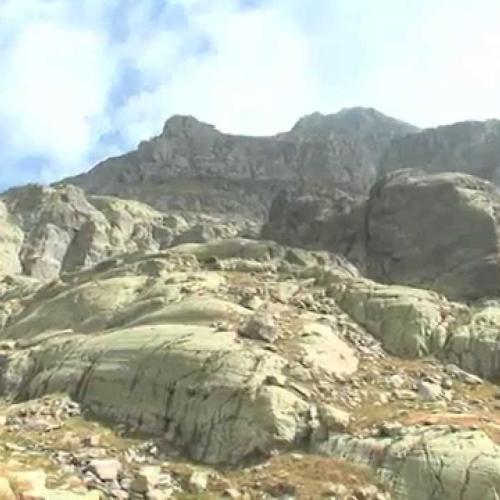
{"points": [[406, 243], [198, 481], [427, 463], [146, 479], [260, 327], [106, 469], [334, 419], [429, 391]]}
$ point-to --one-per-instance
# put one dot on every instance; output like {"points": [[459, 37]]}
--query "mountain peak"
{"points": [[184, 125], [357, 120]]}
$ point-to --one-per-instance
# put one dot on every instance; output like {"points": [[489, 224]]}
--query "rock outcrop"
{"points": [[237, 350], [467, 147], [49, 230], [435, 231], [431, 464], [153, 343], [323, 219], [439, 231], [193, 166]]}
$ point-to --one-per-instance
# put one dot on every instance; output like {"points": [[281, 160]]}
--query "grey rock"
{"points": [[435, 231], [261, 326], [471, 147], [193, 166]]}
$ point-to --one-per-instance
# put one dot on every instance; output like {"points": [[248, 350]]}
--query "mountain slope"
{"points": [[470, 147], [191, 165]]}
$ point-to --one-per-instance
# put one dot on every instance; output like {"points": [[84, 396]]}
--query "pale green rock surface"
{"points": [[410, 322], [202, 388], [155, 348], [427, 464]]}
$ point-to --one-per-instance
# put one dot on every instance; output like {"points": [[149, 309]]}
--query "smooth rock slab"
{"points": [[201, 388], [433, 463]]}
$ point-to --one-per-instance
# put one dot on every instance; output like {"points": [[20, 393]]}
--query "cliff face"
{"points": [[468, 147], [191, 165]]}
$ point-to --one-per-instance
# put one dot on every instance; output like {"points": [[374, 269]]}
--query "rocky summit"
{"points": [[193, 166], [332, 334]]}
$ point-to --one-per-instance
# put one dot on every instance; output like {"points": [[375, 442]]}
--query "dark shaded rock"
{"points": [[436, 231], [323, 220]]}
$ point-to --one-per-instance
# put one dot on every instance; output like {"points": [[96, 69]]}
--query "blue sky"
{"points": [[84, 80]]}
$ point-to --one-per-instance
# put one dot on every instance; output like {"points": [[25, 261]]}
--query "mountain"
{"points": [[152, 354], [191, 165], [471, 147]]}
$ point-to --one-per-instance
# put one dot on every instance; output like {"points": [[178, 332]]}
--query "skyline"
{"points": [[84, 82]]}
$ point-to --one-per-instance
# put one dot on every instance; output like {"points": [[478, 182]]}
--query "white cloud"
{"points": [[251, 71], [55, 80], [256, 66]]}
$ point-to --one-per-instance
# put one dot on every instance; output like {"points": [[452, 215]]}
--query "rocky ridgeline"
{"points": [[470, 147], [193, 166]]}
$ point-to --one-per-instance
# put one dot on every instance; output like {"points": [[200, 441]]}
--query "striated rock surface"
{"points": [[437, 463], [193, 166], [337, 369], [155, 347], [470, 147]]}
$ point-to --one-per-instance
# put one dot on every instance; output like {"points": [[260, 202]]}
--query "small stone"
{"points": [[405, 395], [7, 345], [106, 469], [429, 391], [365, 492], [336, 490], [396, 381], [146, 478], [253, 302], [334, 419], [232, 493], [93, 440], [383, 398], [125, 483], [198, 482], [279, 380], [447, 383], [260, 327], [282, 490]]}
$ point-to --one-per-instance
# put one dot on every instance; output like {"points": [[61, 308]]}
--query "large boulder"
{"points": [[324, 219], [414, 323], [437, 231]]}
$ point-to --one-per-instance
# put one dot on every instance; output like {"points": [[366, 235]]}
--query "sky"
{"points": [[84, 80]]}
